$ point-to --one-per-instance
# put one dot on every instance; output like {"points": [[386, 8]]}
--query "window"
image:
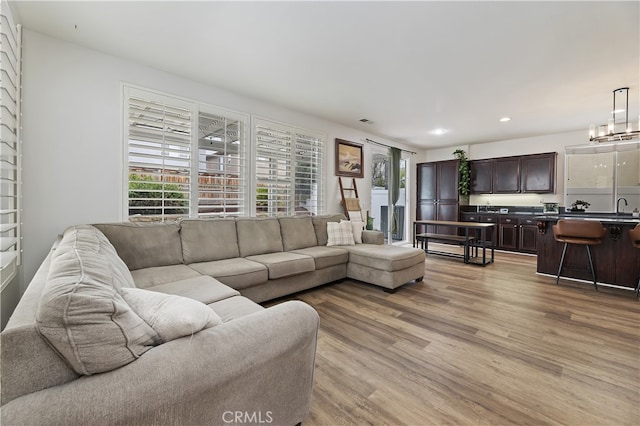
{"points": [[184, 159], [9, 147], [221, 165], [288, 173]]}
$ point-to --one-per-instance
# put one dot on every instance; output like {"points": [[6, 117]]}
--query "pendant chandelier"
{"points": [[616, 129]]}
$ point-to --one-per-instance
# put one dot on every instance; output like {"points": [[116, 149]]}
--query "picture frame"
{"points": [[349, 159]]}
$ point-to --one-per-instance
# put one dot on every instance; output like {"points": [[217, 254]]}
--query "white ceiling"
{"points": [[410, 67]]}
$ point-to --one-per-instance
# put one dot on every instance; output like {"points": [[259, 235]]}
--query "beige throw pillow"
{"points": [[356, 228], [339, 234], [169, 315]]}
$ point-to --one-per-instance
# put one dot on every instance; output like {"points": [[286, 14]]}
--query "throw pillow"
{"points": [[169, 315], [339, 234], [356, 228]]}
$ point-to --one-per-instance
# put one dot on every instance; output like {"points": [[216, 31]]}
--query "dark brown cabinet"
{"points": [[506, 175], [615, 260], [528, 235], [508, 233], [538, 173], [534, 173], [437, 196], [481, 176], [512, 232]]}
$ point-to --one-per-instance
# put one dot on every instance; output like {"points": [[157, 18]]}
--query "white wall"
{"points": [[524, 146], [72, 134]]}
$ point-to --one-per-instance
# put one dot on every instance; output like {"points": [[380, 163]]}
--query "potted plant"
{"points": [[464, 186], [579, 206], [369, 226]]}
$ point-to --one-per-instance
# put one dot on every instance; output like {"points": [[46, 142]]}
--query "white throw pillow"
{"points": [[339, 234], [169, 315], [356, 228]]}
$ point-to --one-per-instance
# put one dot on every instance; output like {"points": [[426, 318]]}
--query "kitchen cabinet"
{"points": [[528, 234], [538, 173], [616, 261], [481, 176], [534, 173], [513, 232], [506, 175], [508, 233], [437, 195]]}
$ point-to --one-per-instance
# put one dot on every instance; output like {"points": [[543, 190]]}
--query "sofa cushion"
{"points": [[324, 256], [235, 307], [285, 264], [385, 257], [169, 315], [81, 313], [202, 288], [142, 245], [157, 275], [297, 232], [237, 273], [209, 239], [340, 234], [258, 235], [320, 226]]}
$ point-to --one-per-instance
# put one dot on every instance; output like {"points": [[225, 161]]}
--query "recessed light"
{"points": [[505, 119], [438, 132]]}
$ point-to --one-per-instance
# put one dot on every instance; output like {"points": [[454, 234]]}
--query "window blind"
{"points": [[289, 170], [273, 169], [9, 146], [221, 165], [309, 153], [185, 159], [159, 159]]}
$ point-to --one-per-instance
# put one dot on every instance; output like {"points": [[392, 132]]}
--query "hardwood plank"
{"points": [[473, 345]]}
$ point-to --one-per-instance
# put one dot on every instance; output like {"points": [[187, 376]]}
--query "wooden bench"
{"points": [[465, 241]]}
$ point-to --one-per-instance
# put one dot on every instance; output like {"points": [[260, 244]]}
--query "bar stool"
{"points": [[635, 241], [580, 232]]}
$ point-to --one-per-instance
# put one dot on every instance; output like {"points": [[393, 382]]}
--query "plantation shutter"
{"points": [[273, 169], [308, 174], [221, 164], [159, 157], [9, 146]]}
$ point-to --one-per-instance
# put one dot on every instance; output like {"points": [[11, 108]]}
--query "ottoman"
{"points": [[384, 265]]}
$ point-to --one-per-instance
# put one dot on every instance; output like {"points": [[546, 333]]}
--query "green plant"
{"points": [[464, 186], [149, 197]]}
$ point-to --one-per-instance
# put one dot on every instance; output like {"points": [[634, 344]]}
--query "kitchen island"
{"points": [[617, 262]]}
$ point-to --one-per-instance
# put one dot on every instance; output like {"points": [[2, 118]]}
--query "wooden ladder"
{"points": [[349, 203]]}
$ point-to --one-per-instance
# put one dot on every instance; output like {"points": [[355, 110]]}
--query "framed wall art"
{"points": [[349, 159]]}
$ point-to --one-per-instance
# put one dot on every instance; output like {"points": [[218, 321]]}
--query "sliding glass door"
{"points": [[380, 196]]}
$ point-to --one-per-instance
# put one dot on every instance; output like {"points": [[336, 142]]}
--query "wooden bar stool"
{"points": [[635, 241], [580, 232]]}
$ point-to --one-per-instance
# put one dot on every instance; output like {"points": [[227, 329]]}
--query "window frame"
{"points": [[195, 110], [294, 131], [10, 148]]}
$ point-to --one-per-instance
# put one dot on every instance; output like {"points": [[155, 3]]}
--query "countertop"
{"points": [[604, 218]]}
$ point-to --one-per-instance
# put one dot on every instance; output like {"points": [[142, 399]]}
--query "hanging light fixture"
{"points": [[616, 129]]}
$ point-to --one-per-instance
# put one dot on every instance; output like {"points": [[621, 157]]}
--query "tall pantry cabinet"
{"points": [[437, 197]]}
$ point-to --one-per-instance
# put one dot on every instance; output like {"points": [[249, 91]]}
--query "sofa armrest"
{"points": [[260, 364], [372, 237]]}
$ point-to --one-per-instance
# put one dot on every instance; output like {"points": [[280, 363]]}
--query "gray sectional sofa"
{"points": [[159, 323]]}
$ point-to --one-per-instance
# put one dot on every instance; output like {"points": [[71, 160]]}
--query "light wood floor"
{"points": [[469, 345]]}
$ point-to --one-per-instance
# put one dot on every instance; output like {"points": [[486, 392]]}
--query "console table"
{"points": [[468, 240]]}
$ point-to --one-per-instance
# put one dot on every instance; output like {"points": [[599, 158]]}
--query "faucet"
{"points": [[618, 204]]}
